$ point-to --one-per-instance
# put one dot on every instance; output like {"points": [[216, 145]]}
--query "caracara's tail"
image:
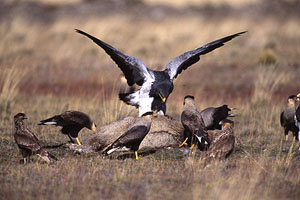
{"points": [[50, 121]]}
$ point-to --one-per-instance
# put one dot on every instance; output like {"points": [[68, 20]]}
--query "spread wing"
{"points": [[182, 62], [134, 69]]}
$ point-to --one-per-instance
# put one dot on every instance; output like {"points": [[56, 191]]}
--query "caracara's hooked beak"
{"points": [[94, 127], [77, 140], [163, 99]]}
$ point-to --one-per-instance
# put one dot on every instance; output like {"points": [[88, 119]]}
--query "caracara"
{"points": [[156, 86], [71, 122]]}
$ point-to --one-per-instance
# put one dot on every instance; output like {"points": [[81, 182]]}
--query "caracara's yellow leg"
{"points": [[136, 155], [77, 140], [286, 137], [184, 143], [192, 146], [294, 139]]}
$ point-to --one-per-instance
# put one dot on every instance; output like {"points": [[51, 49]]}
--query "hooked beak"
{"points": [[94, 128], [163, 99], [230, 115]]}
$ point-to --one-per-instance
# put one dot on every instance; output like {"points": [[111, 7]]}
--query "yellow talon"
{"points": [[136, 155], [294, 139], [184, 143], [77, 140], [286, 137], [192, 146]]}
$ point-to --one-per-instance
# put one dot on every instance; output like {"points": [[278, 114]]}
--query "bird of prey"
{"points": [[193, 124], [212, 116], [222, 144], [287, 116], [72, 122], [134, 136], [297, 122], [27, 142], [156, 86]]}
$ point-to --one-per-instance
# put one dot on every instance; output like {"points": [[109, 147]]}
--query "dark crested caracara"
{"points": [[194, 129], [297, 122], [27, 142], [71, 122], [134, 136], [156, 86], [287, 120], [212, 116]]}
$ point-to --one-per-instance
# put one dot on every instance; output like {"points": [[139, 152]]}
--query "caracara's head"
{"points": [[92, 126], [20, 117], [188, 99], [226, 123], [293, 98]]}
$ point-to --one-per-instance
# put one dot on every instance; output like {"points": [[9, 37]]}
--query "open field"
{"points": [[46, 68]]}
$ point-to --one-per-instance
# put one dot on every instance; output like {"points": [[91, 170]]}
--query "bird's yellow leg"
{"points": [[184, 143], [286, 137], [193, 145], [136, 155], [77, 140], [294, 139]]}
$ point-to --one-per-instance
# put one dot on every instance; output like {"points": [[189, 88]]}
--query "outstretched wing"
{"points": [[182, 62], [134, 69]]}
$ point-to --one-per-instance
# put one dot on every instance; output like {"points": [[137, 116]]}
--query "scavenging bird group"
{"points": [[209, 130]]}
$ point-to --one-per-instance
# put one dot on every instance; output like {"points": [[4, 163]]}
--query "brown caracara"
{"points": [[72, 122], [287, 120], [134, 136], [222, 144], [194, 128], [27, 142]]}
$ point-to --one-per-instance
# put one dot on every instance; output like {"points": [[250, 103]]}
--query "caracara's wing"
{"points": [[134, 69], [135, 134], [298, 114], [75, 118], [182, 62], [25, 142], [222, 147]]}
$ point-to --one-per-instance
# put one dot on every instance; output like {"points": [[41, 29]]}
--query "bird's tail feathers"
{"points": [[50, 121], [111, 150]]}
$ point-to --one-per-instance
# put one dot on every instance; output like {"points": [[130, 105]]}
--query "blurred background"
{"points": [[47, 68], [41, 56]]}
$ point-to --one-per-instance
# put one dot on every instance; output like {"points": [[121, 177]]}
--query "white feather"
{"points": [[49, 123], [112, 150]]}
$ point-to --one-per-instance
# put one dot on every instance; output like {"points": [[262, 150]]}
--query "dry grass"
{"points": [[46, 68]]}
